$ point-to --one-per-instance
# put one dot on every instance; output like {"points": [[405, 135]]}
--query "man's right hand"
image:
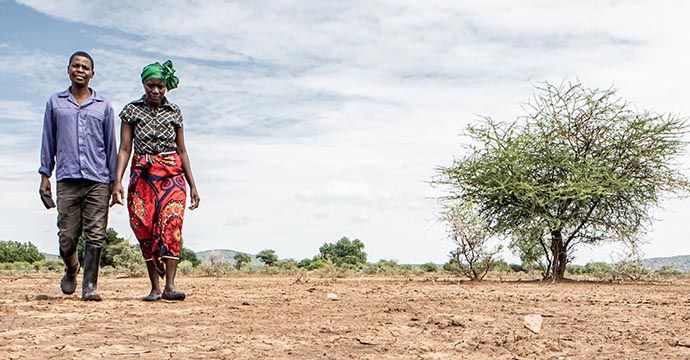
{"points": [[44, 188]]}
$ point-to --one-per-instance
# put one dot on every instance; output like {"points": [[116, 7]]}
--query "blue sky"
{"points": [[312, 120]]}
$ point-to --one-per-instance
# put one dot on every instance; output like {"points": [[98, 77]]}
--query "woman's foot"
{"points": [[155, 295], [173, 295]]}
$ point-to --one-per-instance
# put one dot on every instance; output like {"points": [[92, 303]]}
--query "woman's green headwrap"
{"points": [[165, 72]]}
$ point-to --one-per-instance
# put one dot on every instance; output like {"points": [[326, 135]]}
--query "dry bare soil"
{"points": [[248, 317]]}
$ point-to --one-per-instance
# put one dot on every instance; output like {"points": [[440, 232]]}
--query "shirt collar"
{"points": [[142, 101], [94, 94]]}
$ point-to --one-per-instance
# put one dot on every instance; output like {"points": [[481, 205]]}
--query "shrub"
{"points": [[14, 251], [49, 265], [429, 267], [501, 267], [630, 270], [241, 259], [189, 255], [216, 268], [345, 251], [128, 259], [268, 257], [185, 267], [667, 271], [599, 270], [17, 267], [314, 263], [517, 268]]}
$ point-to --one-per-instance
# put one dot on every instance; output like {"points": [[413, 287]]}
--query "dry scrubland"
{"points": [[372, 318]]}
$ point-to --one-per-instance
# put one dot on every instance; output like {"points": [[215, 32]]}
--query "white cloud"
{"points": [[313, 120]]}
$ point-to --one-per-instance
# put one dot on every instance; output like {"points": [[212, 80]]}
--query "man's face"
{"points": [[80, 71]]}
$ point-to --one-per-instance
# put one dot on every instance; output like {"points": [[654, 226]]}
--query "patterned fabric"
{"points": [[155, 199], [164, 72], [154, 129]]}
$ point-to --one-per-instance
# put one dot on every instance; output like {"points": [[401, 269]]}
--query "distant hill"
{"points": [[681, 262], [50, 256], [228, 256]]}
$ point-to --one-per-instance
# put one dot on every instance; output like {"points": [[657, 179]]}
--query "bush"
{"points": [[429, 267], [128, 259], [241, 259], [14, 251], [185, 267], [112, 238], [501, 267], [289, 265], [216, 268], [345, 251], [517, 268], [49, 265], [17, 267], [573, 269], [189, 255], [599, 270], [630, 270], [312, 264], [268, 257], [667, 271]]}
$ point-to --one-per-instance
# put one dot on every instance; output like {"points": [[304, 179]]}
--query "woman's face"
{"points": [[155, 91]]}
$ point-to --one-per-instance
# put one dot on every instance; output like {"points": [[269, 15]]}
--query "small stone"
{"points": [[533, 322], [332, 296]]}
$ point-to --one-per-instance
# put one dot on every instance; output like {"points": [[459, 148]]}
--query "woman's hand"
{"points": [[195, 198], [118, 194]]}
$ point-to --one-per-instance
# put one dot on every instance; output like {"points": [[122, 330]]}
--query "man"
{"points": [[79, 141]]}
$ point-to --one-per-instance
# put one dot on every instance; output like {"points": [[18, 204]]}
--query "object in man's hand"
{"points": [[47, 200]]}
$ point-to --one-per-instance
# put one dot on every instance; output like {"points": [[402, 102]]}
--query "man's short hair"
{"points": [[84, 54]]}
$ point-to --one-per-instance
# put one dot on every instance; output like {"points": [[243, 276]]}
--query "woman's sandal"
{"points": [[174, 295], [151, 297]]}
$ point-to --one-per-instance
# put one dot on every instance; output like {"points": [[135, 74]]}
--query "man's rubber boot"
{"points": [[68, 283], [92, 259]]}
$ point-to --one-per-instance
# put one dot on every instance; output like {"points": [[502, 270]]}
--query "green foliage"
{"points": [[573, 269], [112, 239], [600, 270], [241, 259], [14, 251], [429, 267], [345, 251], [314, 263], [189, 255], [17, 267], [289, 265], [582, 167], [49, 265], [501, 267], [667, 271], [185, 267], [268, 257], [517, 268], [127, 259]]}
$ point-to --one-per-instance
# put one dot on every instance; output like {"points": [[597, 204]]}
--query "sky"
{"points": [[307, 121]]}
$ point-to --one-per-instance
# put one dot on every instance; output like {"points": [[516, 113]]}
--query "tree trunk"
{"points": [[558, 255]]}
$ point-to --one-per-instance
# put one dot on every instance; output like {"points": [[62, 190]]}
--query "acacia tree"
{"points": [[582, 167], [344, 251], [241, 259], [268, 257]]}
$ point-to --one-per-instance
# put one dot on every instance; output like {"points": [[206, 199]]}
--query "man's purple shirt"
{"points": [[80, 140]]}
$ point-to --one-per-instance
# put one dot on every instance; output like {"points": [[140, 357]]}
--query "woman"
{"points": [[156, 194]]}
